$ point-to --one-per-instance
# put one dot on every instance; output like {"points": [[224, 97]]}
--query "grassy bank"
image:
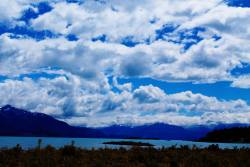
{"points": [[70, 156]]}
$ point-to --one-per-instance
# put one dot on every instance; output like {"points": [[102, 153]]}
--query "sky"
{"points": [[98, 63]]}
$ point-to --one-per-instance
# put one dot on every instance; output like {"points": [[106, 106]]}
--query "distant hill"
{"points": [[156, 131], [18, 122], [229, 135], [163, 131]]}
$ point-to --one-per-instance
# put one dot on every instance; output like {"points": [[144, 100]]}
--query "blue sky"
{"points": [[221, 90], [97, 63]]}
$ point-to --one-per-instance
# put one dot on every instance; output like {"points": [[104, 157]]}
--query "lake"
{"points": [[88, 143]]}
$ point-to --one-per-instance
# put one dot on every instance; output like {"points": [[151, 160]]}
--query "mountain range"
{"points": [[155, 131], [19, 122]]}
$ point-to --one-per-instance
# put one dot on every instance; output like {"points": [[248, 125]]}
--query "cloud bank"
{"points": [[86, 44]]}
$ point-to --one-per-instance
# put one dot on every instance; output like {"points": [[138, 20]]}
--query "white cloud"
{"points": [[83, 95], [231, 20], [242, 82], [10, 10], [160, 59], [62, 96], [71, 99], [148, 94], [117, 19], [153, 105]]}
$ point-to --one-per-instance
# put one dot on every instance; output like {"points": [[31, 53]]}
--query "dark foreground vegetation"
{"points": [[229, 135], [70, 156], [128, 143]]}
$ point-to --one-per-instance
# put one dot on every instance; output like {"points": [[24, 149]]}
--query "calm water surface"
{"points": [[31, 142]]}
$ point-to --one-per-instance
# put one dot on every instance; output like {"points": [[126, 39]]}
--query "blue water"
{"points": [[88, 143]]}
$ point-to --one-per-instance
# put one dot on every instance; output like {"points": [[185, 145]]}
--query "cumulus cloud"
{"points": [[174, 41], [200, 64], [71, 99], [242, 82], [148, 94], [229, 22], [62, 96], [159, 59], [149, 104], [113, 18], [11, 9]]}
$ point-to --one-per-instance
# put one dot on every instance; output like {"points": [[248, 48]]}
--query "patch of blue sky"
{"points": [[244, 69], [113, 88], [24, 32], [72, 37], [3, 78], [191, 37], [33, 76], [187, 37], [42, 8], [216, 37], [102, 38], [74, 1], [238, 3], [170, 33], [221, 90], [165, 31], [129, 41]]}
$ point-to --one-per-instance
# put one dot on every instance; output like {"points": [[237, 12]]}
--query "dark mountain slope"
{"points": [[17, 122], [229, 135]]}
